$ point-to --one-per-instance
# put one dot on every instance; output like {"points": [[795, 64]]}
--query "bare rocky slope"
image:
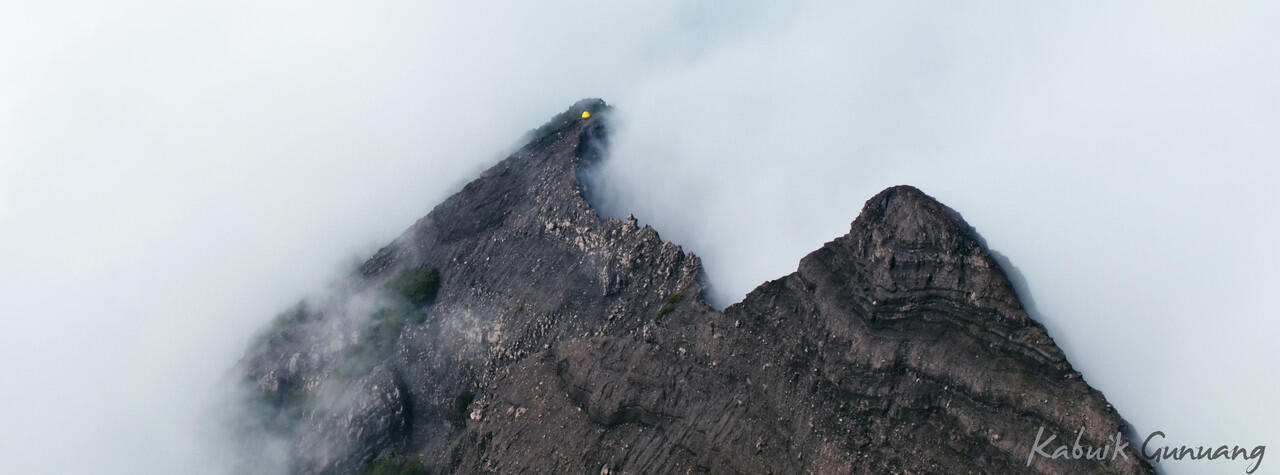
{"points": [[516, 329]]}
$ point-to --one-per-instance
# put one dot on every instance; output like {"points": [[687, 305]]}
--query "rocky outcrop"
{"points": [[564, 341]]}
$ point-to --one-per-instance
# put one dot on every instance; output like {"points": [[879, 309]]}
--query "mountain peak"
{"points": [[538, 335], [906, 217]]}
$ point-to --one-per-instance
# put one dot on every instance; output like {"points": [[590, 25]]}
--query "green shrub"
{"points": [[668, 307], [463, 401], [282, 321], [377, 340], [409, 291], [418, 286], [574, 113], [394, 467]]}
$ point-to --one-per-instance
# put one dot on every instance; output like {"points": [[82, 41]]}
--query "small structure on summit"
{"points": [[586, 114]]}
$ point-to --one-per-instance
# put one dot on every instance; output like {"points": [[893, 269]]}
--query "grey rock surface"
{"points": [[564, 341]]}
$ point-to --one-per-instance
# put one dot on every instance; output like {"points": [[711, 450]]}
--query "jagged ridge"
{"points": [[898, 347]]}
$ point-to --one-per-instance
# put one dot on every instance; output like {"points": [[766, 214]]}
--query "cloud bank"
{"points": [[174, 173]]}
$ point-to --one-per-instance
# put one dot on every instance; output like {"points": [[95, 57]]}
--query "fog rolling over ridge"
{"points": [[1113, 156], [174, 174]]}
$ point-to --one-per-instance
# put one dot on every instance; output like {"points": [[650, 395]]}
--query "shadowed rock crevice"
{"points": [[898, 347]]}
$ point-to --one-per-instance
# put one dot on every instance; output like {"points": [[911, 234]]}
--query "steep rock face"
{"points": [[563, 341]]}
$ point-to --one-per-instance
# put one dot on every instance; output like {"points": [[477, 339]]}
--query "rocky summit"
{"points": [[515, 329]]}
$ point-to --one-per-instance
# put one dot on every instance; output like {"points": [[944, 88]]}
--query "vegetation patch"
{"points": [[282, 322], [376, 342], [668, 307], [417, 286], [573, 114], [402, 303], [394, 467], [463, 401], [406, 294]]}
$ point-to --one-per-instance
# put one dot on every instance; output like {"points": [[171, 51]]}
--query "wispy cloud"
{"points": [[173, 173]]}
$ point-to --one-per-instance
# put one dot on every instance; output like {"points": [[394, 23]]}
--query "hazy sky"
{"points": [[174, 173]]}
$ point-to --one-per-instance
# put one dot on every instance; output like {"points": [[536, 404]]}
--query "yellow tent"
{"points": [[586, 114]]}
